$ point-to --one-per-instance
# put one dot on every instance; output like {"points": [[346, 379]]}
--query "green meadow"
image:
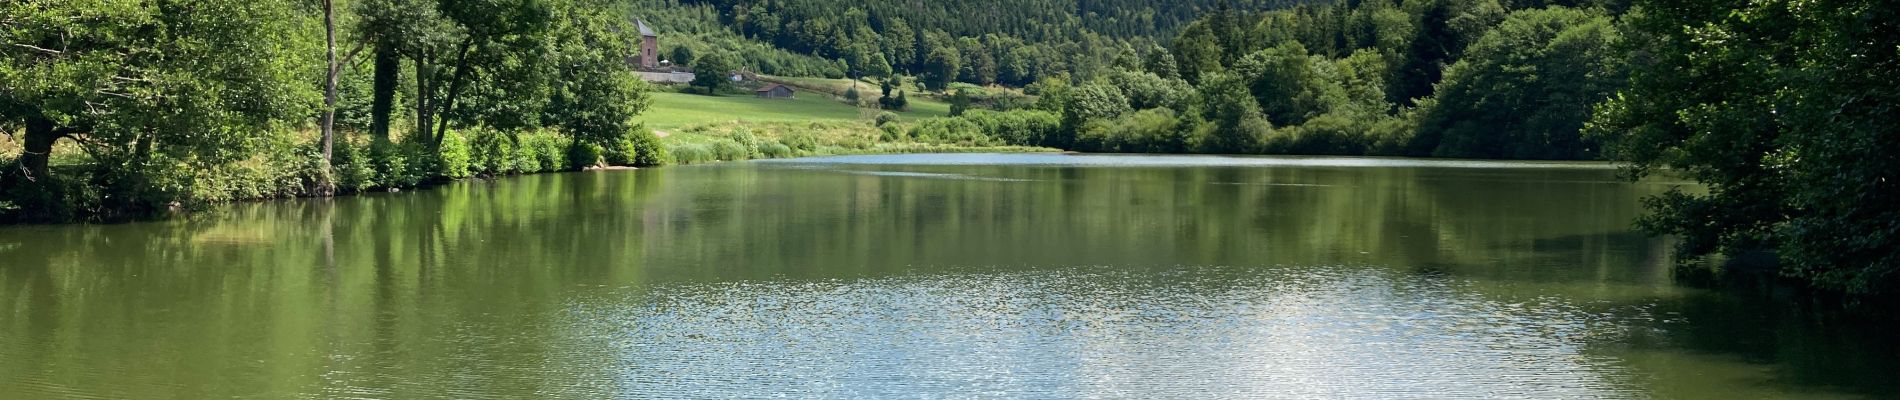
{"points": [[672, 111]]}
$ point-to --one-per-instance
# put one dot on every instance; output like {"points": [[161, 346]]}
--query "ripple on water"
{"points": [[1200, 332]]}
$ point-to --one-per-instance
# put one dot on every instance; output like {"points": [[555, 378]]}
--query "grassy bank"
{"points": [[281, 164], [733, 141], [287, 164], [671, 111]]}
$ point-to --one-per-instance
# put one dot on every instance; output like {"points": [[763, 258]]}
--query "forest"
{"points": [[161, 105]]}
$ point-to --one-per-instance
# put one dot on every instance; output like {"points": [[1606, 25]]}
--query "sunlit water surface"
{"points": [[983, 275]]}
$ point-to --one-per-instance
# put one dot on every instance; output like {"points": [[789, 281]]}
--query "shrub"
{"points": [[583, 155], [646, 147], [886, 118], [730, 151], [951, 130], [453, 158], [548, 151], [392, 164], [491, 153], [800, 141], [689, 153], [1152, 130], [748, 143], [639, 148], [350, 167], [1330, 134], [775, 150], [1018, 127]]}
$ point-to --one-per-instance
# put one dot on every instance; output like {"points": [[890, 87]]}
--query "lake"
{"points": [[975, 275]]}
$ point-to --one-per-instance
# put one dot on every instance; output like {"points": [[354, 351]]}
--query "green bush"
{"points": [[492, 153], [951, 130], [1326, 134], [1018, 127], [775, 150], [689, 153], [800, 141], [886, 118], [393, 165], [748, 142], [351, 168], [453, 158], [1148, 131], [546, 152], [638, 148], [892, 133], [527, 155], [583, 155], [730, 151]]}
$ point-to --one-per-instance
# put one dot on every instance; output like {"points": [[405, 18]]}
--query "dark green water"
{"points": [[917, 276]]}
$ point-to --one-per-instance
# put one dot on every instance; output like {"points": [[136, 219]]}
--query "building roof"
{"points": [[644, 29], [770, 87]]}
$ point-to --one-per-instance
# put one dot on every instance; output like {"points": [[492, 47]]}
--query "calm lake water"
{"points": [[1040, 276]]}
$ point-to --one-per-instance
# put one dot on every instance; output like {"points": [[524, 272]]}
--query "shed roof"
{"points": [[644, 29], [771, 87]]}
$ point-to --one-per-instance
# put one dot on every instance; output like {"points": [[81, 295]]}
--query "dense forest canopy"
{"points": [[196, 101], [1013, 42]]}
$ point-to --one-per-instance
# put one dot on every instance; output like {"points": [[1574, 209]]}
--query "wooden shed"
{"points": [[774, 91]]}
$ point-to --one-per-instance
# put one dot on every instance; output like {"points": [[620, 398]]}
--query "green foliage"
{"points": [[1014, 127], [730, 151], [1253, 83], [585, 155], [1197, 52], [681, 55], [1148, 90], [1090, 102], [168, 118], [886, 118], [1525, 89], [775, 150], [1235, 121], [639, 148], [1013, 42], [690, 153], [960, 101], [951, 130], [1290, 86], [1157, 130], [941, 68], [710, 72], [453, 157], [142, 87], [1785, 112]]}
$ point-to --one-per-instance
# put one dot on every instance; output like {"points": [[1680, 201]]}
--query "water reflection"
{"points": [[1046, 276], [1314, 331]]}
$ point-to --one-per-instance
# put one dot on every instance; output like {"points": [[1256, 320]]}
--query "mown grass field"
{"points": [[671, 111]]}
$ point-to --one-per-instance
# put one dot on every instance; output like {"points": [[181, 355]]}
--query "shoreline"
{"points": [[177, 210]]}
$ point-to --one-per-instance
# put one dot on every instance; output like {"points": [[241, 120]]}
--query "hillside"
{"points": [[1009, 42]]}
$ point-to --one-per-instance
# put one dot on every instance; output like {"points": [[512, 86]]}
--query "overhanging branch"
{"points": [[39, 49]]}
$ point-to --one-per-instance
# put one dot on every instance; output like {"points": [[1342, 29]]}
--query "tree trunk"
{"points": [[455, 87], [40, 135], [329, 90], [425, 120], [383, 91]]}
